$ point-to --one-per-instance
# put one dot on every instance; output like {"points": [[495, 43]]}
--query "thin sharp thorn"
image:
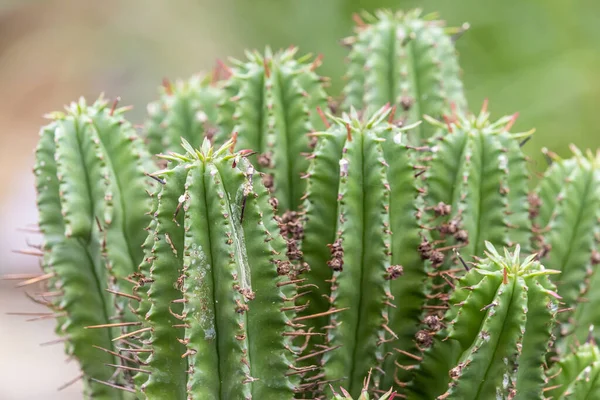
{"points": [[56, 341], [37, 279], [129, 296], [136, 350], [112, 385], [116, 324], [323, 117], [524, 142], [114, 353], [64, 314], [462, 261], [144, 371], [18, 277], [69, 383], [348, 132], [114, 106], [29, 252], [316, 353], [156, 178], [333, 311], [129, 334]]}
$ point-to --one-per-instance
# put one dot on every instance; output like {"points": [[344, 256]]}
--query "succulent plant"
{"points": [[292, 251], [497, 333], [567, 222], [360, 234], [90, 181], [576, 376], [271, 103], [401, 59], [186, 109]]}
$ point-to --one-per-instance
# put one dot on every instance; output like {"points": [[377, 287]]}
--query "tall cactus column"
{"points": [[567, 221], [405, 61], [475, 190], [186, 109], [271, 104], [360, 222], [221, 315], [90, 181]]}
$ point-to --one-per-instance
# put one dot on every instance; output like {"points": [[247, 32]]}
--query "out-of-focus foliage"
{"points": [[538, 57]]}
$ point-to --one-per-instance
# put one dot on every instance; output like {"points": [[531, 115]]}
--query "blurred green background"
{"points": [[538, 57]]}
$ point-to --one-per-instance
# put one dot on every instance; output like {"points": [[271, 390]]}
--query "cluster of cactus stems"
{"points": [[257, 241]]}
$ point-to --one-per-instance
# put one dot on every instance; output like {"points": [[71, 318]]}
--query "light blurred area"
{"points": [[540, 58]]}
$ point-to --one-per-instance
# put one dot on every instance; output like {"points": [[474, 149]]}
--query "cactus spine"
{"points": [[271, 103], [405, 61], [90, 185], [221, 315], [186, 109], [498, 330]]}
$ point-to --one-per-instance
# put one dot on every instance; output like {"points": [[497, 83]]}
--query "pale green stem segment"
{"points": [[406, 61], [271, 104], [90, 179]]}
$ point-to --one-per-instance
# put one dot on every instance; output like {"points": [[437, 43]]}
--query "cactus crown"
{"points": [[295, 251]]}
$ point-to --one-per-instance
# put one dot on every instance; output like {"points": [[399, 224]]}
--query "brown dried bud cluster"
{"points": [[534, 205], [424, 339], [442, 209], [265, 160], [283, 267], [393, 272], [337, 256]]}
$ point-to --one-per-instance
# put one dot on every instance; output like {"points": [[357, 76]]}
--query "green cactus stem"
{"points": [[406, 61], [475, 190], [221, 316], [90, 183], [566, 220], [576, 376], [360, 234], [272, 102], [498, 330], [186, 109]]}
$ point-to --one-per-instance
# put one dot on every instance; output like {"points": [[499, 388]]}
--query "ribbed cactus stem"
{"points": [[406, 61], [475, 190], [271, 103], [566, 221], [186, 109], [349, 243], [221, 315], [498, 331], [575, 376], [90, 182]]}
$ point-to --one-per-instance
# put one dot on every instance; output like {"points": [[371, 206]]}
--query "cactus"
{"points": [[576, 376], [475, 190], [186, 109], [566, 218], [217, 279], [405, 61], [90, 184], [306, 255], [498, 330], [271, 102], [359, 222]]}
